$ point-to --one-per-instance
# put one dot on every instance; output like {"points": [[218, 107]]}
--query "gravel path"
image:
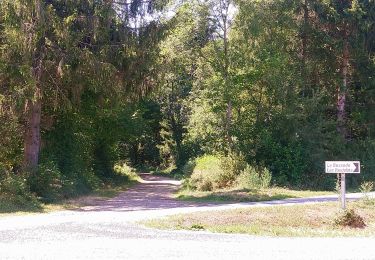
{"points": [[108, 230]]}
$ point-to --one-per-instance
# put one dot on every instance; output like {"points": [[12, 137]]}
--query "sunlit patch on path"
{"points": [[153, 192]]}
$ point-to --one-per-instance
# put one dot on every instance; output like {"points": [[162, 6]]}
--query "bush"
{"points": [[251, 178], [210, 172], [287, 161], [124, 170], [349, 218], [231, 165], [11, 139], [266, 178], [46, 182], [202, 181], [188, 168], [367, 187], [14, 192], [205, 173], [87, 181]]}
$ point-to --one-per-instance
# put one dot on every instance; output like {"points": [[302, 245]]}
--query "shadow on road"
{"points": [[154, 192]]}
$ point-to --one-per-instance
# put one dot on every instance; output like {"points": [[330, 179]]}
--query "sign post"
{"points": [[343, 191], [341, 168]]}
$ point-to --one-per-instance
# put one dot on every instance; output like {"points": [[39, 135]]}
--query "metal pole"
{"points": [[338, 187], [343, 186]]}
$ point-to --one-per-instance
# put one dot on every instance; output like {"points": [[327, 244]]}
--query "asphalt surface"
{"points": [[109, 230]]}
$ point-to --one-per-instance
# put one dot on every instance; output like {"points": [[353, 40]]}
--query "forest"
{"points": [[259, 90]]}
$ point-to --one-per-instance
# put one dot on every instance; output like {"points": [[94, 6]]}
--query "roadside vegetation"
{"points": [[17, 197], [313, 220], [232, 95], [246, 195], [229, 178]]}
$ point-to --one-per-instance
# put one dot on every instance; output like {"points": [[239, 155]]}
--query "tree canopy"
{"points": [[84, 84]]}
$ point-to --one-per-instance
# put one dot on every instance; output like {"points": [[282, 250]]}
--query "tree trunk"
{"points": [[32, 139], [304, 46], [32, 132], [33, 108], [229, 113], [342, 91], [228, 124]]}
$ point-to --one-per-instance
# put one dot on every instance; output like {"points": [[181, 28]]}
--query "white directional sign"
{"points": [[343, 167]]}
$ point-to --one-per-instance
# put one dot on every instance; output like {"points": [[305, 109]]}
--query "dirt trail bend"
{"points": [[156, 193], [152, 193]]}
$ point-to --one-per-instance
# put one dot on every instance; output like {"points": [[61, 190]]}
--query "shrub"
{"points": [[46, 182], [14, 192], [69, 188], [124, 170], [231, 165], [11, 139], [349, 218], [366, 187], [251, 178], [87, 181], [286, 161], [211, 172], [188, 168], [201, 181], [205, 174], [266, 178]]}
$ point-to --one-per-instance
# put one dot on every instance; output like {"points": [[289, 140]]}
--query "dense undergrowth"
{"points": [[27, 192], [210, 172]]}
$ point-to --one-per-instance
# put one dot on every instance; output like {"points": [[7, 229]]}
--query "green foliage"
{"points": [[205, 174], [232, 165], [46, 182], [211, 172], [258, 86], [140, 133], [10, 141], [251, 178], [366, 187], [92, 69], [123, 169], [71, 145], [266, 178], [287, 162], [188, 168], [15, 194], [196, 227]]}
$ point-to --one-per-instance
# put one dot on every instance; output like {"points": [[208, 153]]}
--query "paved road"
{"points": [[108, 230]]}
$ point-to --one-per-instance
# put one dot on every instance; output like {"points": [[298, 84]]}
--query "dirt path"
{"points": [[152, 193], [156, 193]]}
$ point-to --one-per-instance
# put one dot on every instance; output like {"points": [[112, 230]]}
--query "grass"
{"points": [[243, 195], [9, 208], [16, 208], [313, 220]]}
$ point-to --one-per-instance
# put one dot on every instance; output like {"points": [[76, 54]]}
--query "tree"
{"points": [[60, 50]]}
